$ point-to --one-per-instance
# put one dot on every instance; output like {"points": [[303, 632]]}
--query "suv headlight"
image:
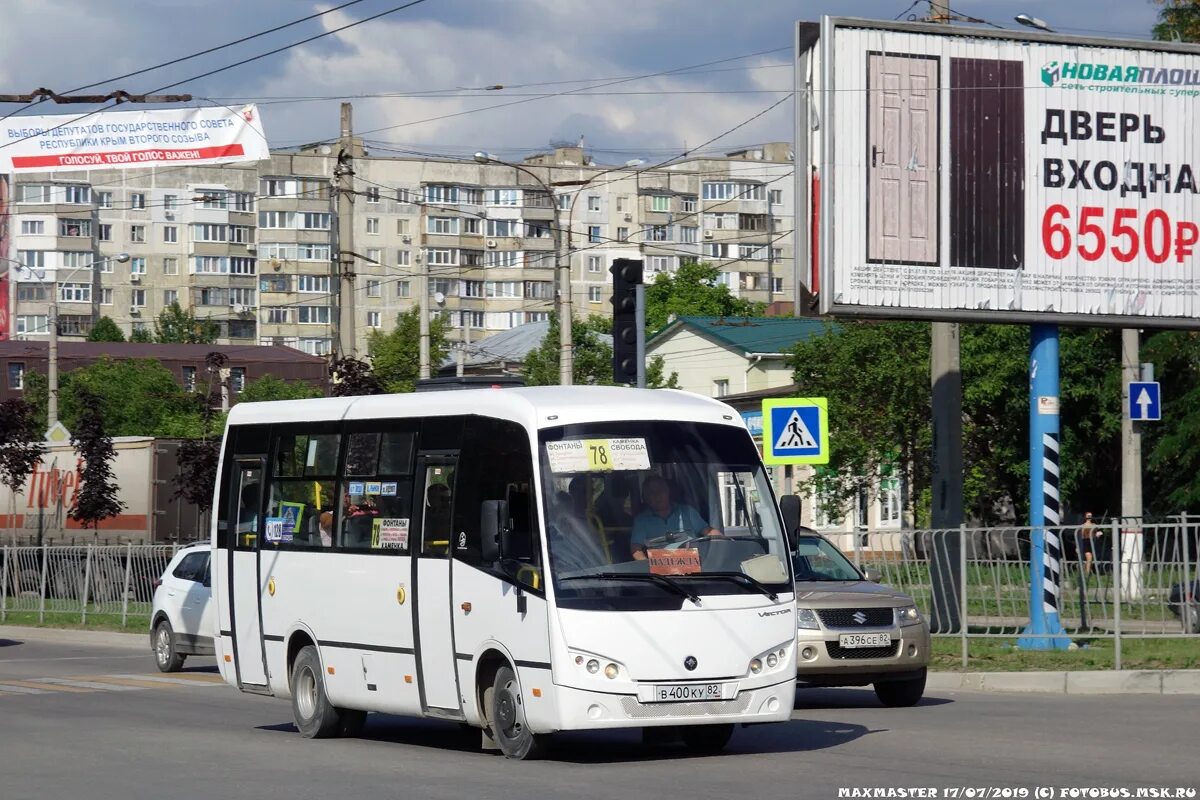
{"points": [[806, 619], [908, 615]]}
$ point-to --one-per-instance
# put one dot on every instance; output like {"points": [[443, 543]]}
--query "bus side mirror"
{"points": [[493, 529], [789, 507]]}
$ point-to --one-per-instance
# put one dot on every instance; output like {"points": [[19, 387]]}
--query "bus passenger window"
{"points": [[249, 501]]}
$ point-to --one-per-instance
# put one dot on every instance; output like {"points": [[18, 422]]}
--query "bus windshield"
{"points": [[653, 514]]}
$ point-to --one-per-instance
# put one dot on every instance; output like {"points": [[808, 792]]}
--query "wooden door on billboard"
{"points": [[902, 159], [987, 163]]}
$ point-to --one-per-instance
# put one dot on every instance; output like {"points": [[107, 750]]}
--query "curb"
{"points": [[133, 641], [1082, 682]]}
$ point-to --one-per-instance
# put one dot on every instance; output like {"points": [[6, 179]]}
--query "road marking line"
{"points": [[165, 680], [40, 683], [12, 689], [138, 683], [200, 677], [88, 684]]}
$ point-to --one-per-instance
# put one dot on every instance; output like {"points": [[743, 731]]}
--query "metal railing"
{"points": [[112, 584], [1140, 582]]}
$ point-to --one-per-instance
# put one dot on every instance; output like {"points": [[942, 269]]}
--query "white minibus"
{"points": [[521, 560]]}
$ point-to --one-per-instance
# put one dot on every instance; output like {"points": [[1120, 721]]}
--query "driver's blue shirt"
{"points": [[682, 521]]}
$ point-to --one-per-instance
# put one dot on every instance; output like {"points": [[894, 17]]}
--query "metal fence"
{"points": [[1140, 582], [109, 583]]}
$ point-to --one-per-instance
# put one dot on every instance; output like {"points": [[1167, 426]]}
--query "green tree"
{"points": [[693, 290], [136, 397], [269, 387], [105, 330], [141, 336], [353, 377], [395, 355], [1177, 18], [97, 498], [593, 357], [1171, 448], [176, 326], [20, 446]]}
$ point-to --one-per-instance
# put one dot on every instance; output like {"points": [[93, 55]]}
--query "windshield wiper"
{"points": [[660, 580], [754, 583]]}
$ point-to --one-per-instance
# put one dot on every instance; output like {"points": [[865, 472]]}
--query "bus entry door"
{"points": [[433, 621], [247, 588]]}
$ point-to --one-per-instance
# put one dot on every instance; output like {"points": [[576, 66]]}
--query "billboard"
{"points": [[128, 139], [981, 175]]}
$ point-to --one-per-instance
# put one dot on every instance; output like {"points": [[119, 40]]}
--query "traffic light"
{"points": [[627, 276]]}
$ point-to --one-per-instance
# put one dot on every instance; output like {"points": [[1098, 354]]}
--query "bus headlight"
{"points": [[756, 665], [611, 671], [593, 666], [806, 619], [772, 660], [908, 615]]}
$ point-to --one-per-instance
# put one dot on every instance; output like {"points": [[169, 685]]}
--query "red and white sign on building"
{"points": [[128, 139]]}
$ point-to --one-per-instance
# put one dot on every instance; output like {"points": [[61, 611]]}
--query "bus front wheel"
{"points": [[315, 717], [506, 718]]}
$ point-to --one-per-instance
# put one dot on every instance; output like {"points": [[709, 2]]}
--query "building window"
{"points": [[372, 194], [313, 252], [402, 258], [32, 324], [170, 202], [137, 200], [170, 296], [502, 197], [374, 319], [595, 263], [213, 199], [170, 266], [33, 227], [104, 232], [776, 196], [622, 234], [189, 379], [106, 297], [622, 201], [539, 290], [688, 234], [594, 234], [374, 255], [75, 227], [77, 195], [403, 289], [74, 292], [720, 387], [442, 256], [313, 221], [373, 225], [402, 226], [776, 285], [593, 202], [660, 203], [137, 233], [277, 219], [31, 293], [104, 199], [137, 266], [16, 375], [210, 232], [240, 234], [503, 227], [315, 347], [32, 259], [312, 284], [445, 225], [593, 294], [170, 234], [689, 205], [374, 290], [237, 379], [138, 298], [660, 263], [889, 503], [313, 315]]}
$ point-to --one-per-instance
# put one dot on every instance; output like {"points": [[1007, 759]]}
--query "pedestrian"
{"points": [[1087, 534]]}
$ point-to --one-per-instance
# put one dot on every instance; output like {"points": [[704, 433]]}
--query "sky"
{"points": [[689, 71]]}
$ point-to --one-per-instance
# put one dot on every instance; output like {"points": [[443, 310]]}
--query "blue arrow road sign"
{"points": [[1145, 402]]}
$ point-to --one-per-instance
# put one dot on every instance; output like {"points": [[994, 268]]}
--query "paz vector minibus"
{"points": [[524, 560]]}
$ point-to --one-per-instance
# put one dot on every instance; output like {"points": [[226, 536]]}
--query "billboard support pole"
{"points": [[1045, 631], [1130, 538]]}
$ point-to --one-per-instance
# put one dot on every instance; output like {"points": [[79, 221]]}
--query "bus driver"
{"points": [[662, 517]]}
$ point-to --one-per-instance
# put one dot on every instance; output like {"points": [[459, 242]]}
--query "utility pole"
{"points": [[343, 173], [1129, 532], [422, 299]]}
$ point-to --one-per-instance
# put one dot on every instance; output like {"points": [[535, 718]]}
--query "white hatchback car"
{"points": [[181, 616]]}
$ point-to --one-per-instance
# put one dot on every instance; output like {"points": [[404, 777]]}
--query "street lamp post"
{"points": [[566, 357], [52, 323]]}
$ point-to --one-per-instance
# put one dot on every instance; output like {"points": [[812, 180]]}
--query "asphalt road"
{"points": [[99, 722]]}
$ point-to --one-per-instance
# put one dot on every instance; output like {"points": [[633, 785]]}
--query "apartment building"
{"points": [[252, 247]]}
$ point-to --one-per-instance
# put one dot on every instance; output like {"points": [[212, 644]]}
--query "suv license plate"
{"points": [[865, 639], [683, 692]]}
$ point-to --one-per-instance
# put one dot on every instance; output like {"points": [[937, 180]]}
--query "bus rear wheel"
{"points": [[706, 739], [506, 718], [315, 717]]}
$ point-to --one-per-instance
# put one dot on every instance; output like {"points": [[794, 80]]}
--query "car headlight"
{"points": [[908, 615], [806, 618]]}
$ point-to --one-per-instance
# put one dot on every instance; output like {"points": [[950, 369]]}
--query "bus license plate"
{"points": [[865, 639], [682, 692]]}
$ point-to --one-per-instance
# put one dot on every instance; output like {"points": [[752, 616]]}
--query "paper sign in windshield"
{"points": [[684, 561], [389, 533], [274, 526], [598, 455]]}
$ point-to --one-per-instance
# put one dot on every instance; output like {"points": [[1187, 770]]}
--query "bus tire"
{"points": [[315, 717], [706, 739], [506, 719], [166, 657], [351, 722]]}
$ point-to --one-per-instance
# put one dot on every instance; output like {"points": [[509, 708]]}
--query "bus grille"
{"points": [[637, 710]]}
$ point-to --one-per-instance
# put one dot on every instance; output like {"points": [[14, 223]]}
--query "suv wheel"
{"points": [[900, 694], [166, 656]]}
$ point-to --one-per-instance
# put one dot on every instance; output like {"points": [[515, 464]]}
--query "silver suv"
{"points": [[851, 631]]}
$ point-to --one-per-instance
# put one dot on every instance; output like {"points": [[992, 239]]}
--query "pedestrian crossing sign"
{"points": [[796, 431]]}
